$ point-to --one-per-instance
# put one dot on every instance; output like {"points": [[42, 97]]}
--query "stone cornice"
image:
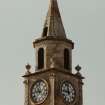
{"points": [[53, 70], [51, 38]]}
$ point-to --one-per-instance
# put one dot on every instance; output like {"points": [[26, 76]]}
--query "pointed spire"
{"points": [[53, 24]]}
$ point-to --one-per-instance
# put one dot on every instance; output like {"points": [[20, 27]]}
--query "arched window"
{"points": [[45, 31], [40, 58], [66, 59]]}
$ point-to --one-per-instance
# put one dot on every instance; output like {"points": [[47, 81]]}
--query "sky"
{"points": [[21, 21]]}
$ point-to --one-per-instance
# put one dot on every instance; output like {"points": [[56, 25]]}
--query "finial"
{"points": [[28, 67], [78, 68], [78, 74]]}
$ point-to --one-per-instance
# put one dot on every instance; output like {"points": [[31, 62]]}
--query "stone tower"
{"points": [[53, 82]]}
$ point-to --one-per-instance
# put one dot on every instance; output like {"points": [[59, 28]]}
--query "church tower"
{"points": [[53, 82]]}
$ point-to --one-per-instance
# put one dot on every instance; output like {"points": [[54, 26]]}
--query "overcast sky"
{"points": [[21, 21]]}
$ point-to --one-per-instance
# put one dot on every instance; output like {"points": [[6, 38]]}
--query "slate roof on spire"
{"points": [[53, 24]]}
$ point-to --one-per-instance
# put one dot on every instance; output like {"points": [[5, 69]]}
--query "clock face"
{"points": [[39, 91], [68, 92]]}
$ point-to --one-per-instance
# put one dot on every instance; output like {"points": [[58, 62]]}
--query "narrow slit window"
{"points": [[66, 59], [45, 31], [40, 58]]}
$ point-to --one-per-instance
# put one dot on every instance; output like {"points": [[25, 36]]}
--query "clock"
{"points": [[39, 91], [68, 92]]}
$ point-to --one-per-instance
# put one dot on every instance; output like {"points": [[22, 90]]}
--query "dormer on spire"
{"points": [[53, 24]]}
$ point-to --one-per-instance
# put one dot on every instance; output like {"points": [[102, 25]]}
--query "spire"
{"points": [[53, 24]]}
